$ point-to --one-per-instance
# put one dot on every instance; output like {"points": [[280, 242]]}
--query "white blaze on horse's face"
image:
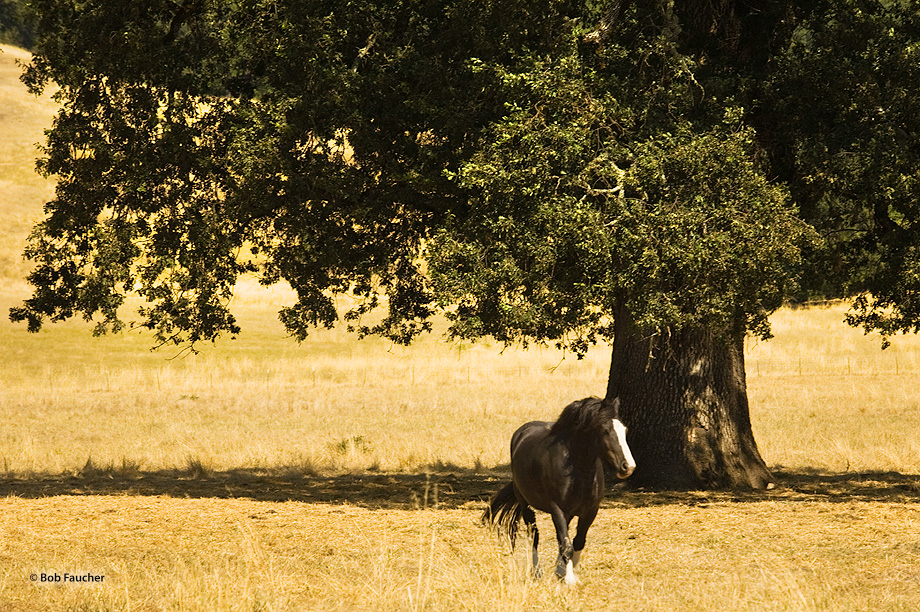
{"points": [[630, 466]]}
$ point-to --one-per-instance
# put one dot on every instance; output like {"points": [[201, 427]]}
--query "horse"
{"points": [[558, 468]]}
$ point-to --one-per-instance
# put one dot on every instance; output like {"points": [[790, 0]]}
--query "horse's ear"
{"points": [[612, 407]]}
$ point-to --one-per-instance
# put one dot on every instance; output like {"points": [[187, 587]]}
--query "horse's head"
{"points": [[613, 439]]}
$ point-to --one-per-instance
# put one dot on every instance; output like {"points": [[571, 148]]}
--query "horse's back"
{"points": [[527, 434]]}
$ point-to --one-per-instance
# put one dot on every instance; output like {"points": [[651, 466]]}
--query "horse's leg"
{"points": [[584, 523], [564, 568], [530, 520]]}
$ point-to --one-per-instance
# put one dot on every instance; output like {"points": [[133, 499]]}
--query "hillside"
{"points": [[23, 117]]}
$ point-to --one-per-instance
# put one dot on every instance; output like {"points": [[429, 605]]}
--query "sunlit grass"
{"points": [[826, 396], [264, 401], [823, 396], [202, 554], [22, 192]]}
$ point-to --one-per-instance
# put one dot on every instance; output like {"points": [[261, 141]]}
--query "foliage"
{"points": [[513, 164], [14, 28], [582, 207], [200, 142], [845, 93]]}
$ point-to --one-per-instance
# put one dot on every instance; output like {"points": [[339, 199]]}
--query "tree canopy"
{"points": [[528, 169], [845, 119]]}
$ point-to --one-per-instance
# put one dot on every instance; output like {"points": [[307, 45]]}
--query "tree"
{"points": [[644, 173], [13, 27]]}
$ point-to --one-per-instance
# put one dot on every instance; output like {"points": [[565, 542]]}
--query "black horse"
{"points": [[558, 468]]}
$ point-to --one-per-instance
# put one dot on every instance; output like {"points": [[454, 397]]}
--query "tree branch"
{"points": [[371, 40], [605, 27], [184, 13]]}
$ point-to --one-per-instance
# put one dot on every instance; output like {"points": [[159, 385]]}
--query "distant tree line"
{"points": [[14, 27]]}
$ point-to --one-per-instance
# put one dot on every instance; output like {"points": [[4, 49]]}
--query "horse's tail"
{"points": [[504, 512]]}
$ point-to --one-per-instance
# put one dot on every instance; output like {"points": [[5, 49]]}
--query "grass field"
{"points": [[22, 192], [347, 475]]}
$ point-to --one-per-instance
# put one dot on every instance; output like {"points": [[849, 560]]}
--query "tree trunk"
{"points": [[683, 397]]}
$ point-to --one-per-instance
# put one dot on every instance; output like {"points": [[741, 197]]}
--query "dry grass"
{"points": [[335, 403], [826, 396], [161, 553], [22, 192], [345, 475]]}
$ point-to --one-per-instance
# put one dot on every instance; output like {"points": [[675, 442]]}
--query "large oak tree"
{"points": [[661, 175]]}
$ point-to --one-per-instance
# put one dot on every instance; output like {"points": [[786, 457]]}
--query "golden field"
{"points": [[349, 475]]}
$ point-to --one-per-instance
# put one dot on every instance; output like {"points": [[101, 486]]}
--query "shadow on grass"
{"points": [[447, 487], [441, 489], [802, 485]]}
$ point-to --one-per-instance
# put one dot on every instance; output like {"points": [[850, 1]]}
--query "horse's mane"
{"points": [[584, 415]]}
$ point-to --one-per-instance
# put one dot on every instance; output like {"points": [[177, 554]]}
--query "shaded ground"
{"points": [[447, 489], [371, 490], [803, 486]]}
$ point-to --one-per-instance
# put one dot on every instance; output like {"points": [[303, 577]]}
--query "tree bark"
{"points": [[683, 396]]}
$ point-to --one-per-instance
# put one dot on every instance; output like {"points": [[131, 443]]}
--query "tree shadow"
{"points": [[801, 485], [443, 489], [448, 487], [814, 485]]}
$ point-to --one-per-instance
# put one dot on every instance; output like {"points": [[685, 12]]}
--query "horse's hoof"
{"points": [[566, 574]]}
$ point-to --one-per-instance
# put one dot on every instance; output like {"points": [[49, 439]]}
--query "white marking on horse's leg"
{"points": [[560, 567], [620, 429], [576, 556], [570, 573]]}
